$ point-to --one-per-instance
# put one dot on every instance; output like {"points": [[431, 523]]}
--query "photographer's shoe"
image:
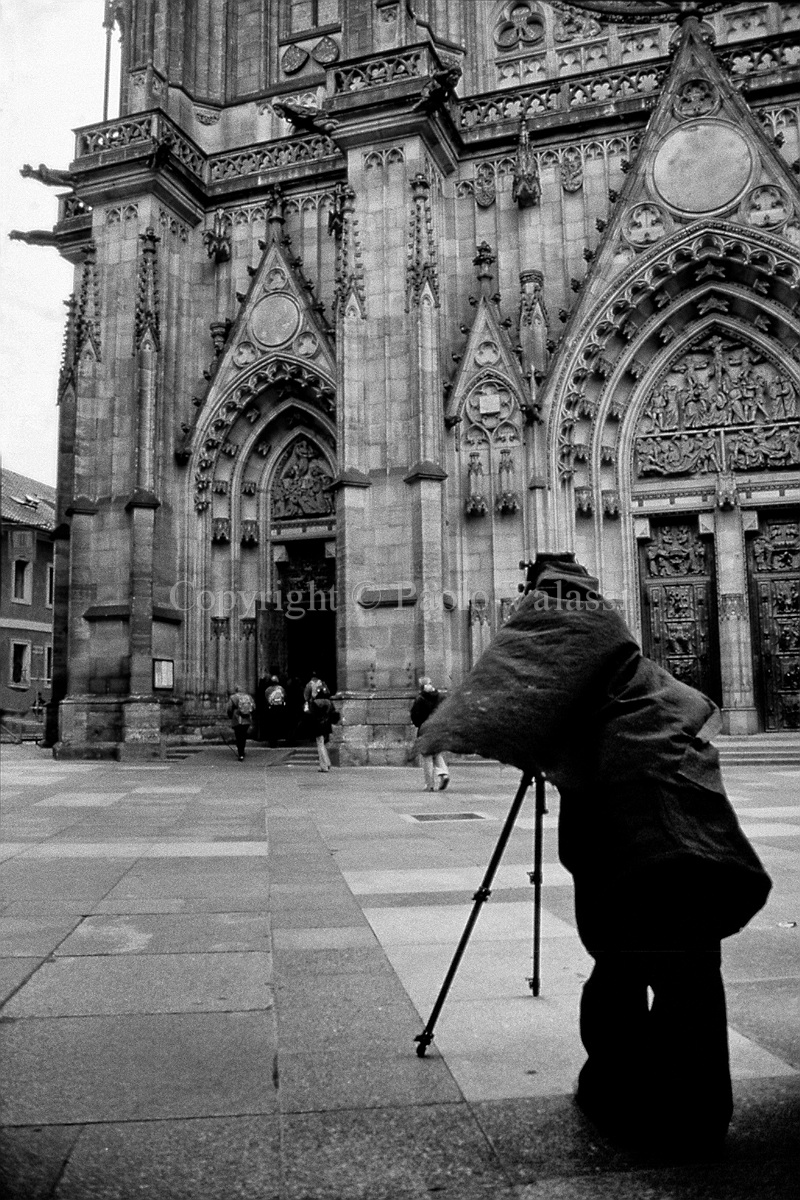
{"points": [[443, 782]]}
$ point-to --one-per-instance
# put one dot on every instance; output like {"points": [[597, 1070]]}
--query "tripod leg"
{"points": [[536, 880], [481, 896]]}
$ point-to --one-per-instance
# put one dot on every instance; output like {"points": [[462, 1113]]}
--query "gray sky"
{"points": [[52, 61]]}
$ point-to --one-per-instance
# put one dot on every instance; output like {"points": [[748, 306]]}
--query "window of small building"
{"points": [[306, 15], [20, 674], [22, 577], [50, 585], [48, 665]]}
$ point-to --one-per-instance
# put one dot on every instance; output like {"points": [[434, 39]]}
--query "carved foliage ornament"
{"points": [[627, 12]]}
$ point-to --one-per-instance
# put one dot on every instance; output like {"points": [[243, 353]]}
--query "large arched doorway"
{"points": [[296, 623]]}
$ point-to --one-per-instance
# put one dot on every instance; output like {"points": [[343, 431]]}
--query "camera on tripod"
{"points": [[533, 568]]}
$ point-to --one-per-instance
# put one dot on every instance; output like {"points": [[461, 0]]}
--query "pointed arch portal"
{"points": [[676, 443], [262, 459]]}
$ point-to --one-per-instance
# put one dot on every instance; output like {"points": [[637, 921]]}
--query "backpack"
{"points": [[245, 705], [277, 696]]}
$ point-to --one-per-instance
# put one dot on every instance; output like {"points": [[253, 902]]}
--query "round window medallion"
{"points": [[276, 279], [644, 224], [695, 98], [487, 354], [702, 167], [767, 207], [275, 320]]}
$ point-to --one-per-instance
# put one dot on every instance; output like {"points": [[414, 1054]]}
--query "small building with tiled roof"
{"points": [[26, 600]]}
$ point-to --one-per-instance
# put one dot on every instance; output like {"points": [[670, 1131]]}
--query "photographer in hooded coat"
{"points": [[661, 867]]}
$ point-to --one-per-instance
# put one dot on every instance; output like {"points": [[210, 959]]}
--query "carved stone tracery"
{"points": [[520, 26]]}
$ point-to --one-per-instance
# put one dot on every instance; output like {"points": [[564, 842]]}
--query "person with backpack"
{"points": [[275, 710], [322, 716], [433, 765], [241, 708]]}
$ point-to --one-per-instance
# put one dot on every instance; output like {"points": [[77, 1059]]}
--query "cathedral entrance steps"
{"points": [[765, 749]]}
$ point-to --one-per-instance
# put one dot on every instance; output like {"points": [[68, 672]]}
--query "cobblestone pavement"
{"points": [[212, 974]]}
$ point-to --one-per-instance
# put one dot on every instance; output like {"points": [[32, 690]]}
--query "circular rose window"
{"points": [[702, 167], [275, 320]]}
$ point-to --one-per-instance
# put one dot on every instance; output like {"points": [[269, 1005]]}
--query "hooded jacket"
{"points": [[565, 691]]}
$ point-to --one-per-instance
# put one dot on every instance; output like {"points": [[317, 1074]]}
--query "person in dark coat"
{"points": [[241, 708], [274, 711], [425, 704], [661, 867], [322, 715]]}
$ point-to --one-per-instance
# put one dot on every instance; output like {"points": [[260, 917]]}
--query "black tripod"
{"points": [[484, 892]]}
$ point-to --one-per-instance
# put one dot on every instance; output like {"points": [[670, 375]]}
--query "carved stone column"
{"points": [[142, 713], [427, 521], [73, 712], [739, 711]]}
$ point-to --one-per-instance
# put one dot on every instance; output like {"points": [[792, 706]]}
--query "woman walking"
{"points": [[433, 765]]}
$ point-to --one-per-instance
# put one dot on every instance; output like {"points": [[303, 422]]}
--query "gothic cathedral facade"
{"points": [[374, 300]]}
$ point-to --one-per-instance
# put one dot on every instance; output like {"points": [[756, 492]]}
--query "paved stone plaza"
{"points": [[212, 975]]}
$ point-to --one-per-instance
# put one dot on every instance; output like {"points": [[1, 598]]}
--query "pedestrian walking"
{"points": [[434, 767], [274, 710], [241, 708], [322, 716], [311, 689], [661, 867]]}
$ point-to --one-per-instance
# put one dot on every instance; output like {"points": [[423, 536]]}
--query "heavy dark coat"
{"points": [[564, 690], [424, 705], [322, 716]]}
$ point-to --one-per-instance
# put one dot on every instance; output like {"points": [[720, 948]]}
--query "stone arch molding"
{"points": [[237, 424], [745, 282]]}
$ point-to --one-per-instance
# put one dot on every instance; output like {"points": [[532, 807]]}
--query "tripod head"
{"points": [[563, 562]]}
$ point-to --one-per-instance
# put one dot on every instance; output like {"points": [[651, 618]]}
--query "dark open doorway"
{"points": [[297, 628]]}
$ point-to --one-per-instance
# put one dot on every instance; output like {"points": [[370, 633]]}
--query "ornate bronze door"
{"points": [[679, 619], [774, 561]]}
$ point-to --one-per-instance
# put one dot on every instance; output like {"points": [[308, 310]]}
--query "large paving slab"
{"points": [[216, 1159], [213, 986], [162, 983], [168, 934], [127, 1068]]}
